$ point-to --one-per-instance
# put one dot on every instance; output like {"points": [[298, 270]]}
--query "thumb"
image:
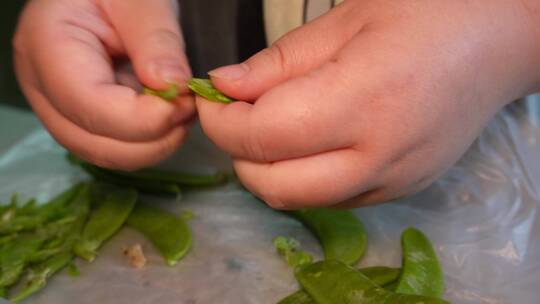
{"points": [[152, 38], [294, 54]]}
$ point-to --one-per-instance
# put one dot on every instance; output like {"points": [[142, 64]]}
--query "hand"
{"points": [[67, 54], [373, 100]]}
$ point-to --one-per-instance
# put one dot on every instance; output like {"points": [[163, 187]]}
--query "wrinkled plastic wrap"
{"points": [[482, 217]]}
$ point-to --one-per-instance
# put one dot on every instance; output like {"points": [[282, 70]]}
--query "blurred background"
{"points": [[9, 91]]}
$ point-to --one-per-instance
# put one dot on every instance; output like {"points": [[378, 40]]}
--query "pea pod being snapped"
{"points": [[331, 282], [168, 232], [340, 232], [205, 88], [168, 94], [422, 274], [113, 208]]}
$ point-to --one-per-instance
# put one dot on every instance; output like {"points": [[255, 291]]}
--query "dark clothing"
{"points": [[220, 32]]}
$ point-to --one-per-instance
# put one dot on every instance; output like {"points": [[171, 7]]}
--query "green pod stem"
{"points": [[422, 273], [333, 282], [113, 208], [299, 297], [169, 233], [340, 232], [205, 88], [379, 275], [170, 94]]}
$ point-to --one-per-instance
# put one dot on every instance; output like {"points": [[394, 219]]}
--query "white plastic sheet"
{"points": [[482, 216]]}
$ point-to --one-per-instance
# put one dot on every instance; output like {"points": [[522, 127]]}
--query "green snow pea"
{"points": [[108, 176], [379, 275], [331, 282], [168, 94], [151, 180], [422, 274], [168, 232], [340, 232], [113, 208], [205, 88]]}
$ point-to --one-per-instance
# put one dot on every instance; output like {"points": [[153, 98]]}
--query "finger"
{"points": [[294, 54], [320, 180], [78, 79], [296, 119], [153, 40], [105, 152]]}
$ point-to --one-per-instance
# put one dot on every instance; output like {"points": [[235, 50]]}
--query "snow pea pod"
{"points": [[379, 275], [340, 232], [108, 176], [168, 232], [205, 88], [114, 206], [330, 282], [422, 274]]}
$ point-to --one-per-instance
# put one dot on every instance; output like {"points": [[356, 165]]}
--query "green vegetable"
{"points": [[13, 258], [168, 94], [113, 209], [422, 274], [299, 297], [340, 232], [36, 278], [168, 232], [151, 180], [205, 88], [379, 275], [289, 248], [330, 282]]}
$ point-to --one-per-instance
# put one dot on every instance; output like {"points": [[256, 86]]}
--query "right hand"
{"points": [[66, 57]]}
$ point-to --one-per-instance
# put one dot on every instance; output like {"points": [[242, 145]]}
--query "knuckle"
{"points": [[280, 55]]}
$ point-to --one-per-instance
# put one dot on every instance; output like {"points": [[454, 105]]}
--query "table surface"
{"points": [[14, 125]]}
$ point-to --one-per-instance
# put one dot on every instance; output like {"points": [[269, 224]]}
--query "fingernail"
{"points": [[170, 72], [230, 72]]}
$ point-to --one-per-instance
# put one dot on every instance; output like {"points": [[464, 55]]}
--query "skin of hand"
{"points": [[373, 100], [81, 63]]}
